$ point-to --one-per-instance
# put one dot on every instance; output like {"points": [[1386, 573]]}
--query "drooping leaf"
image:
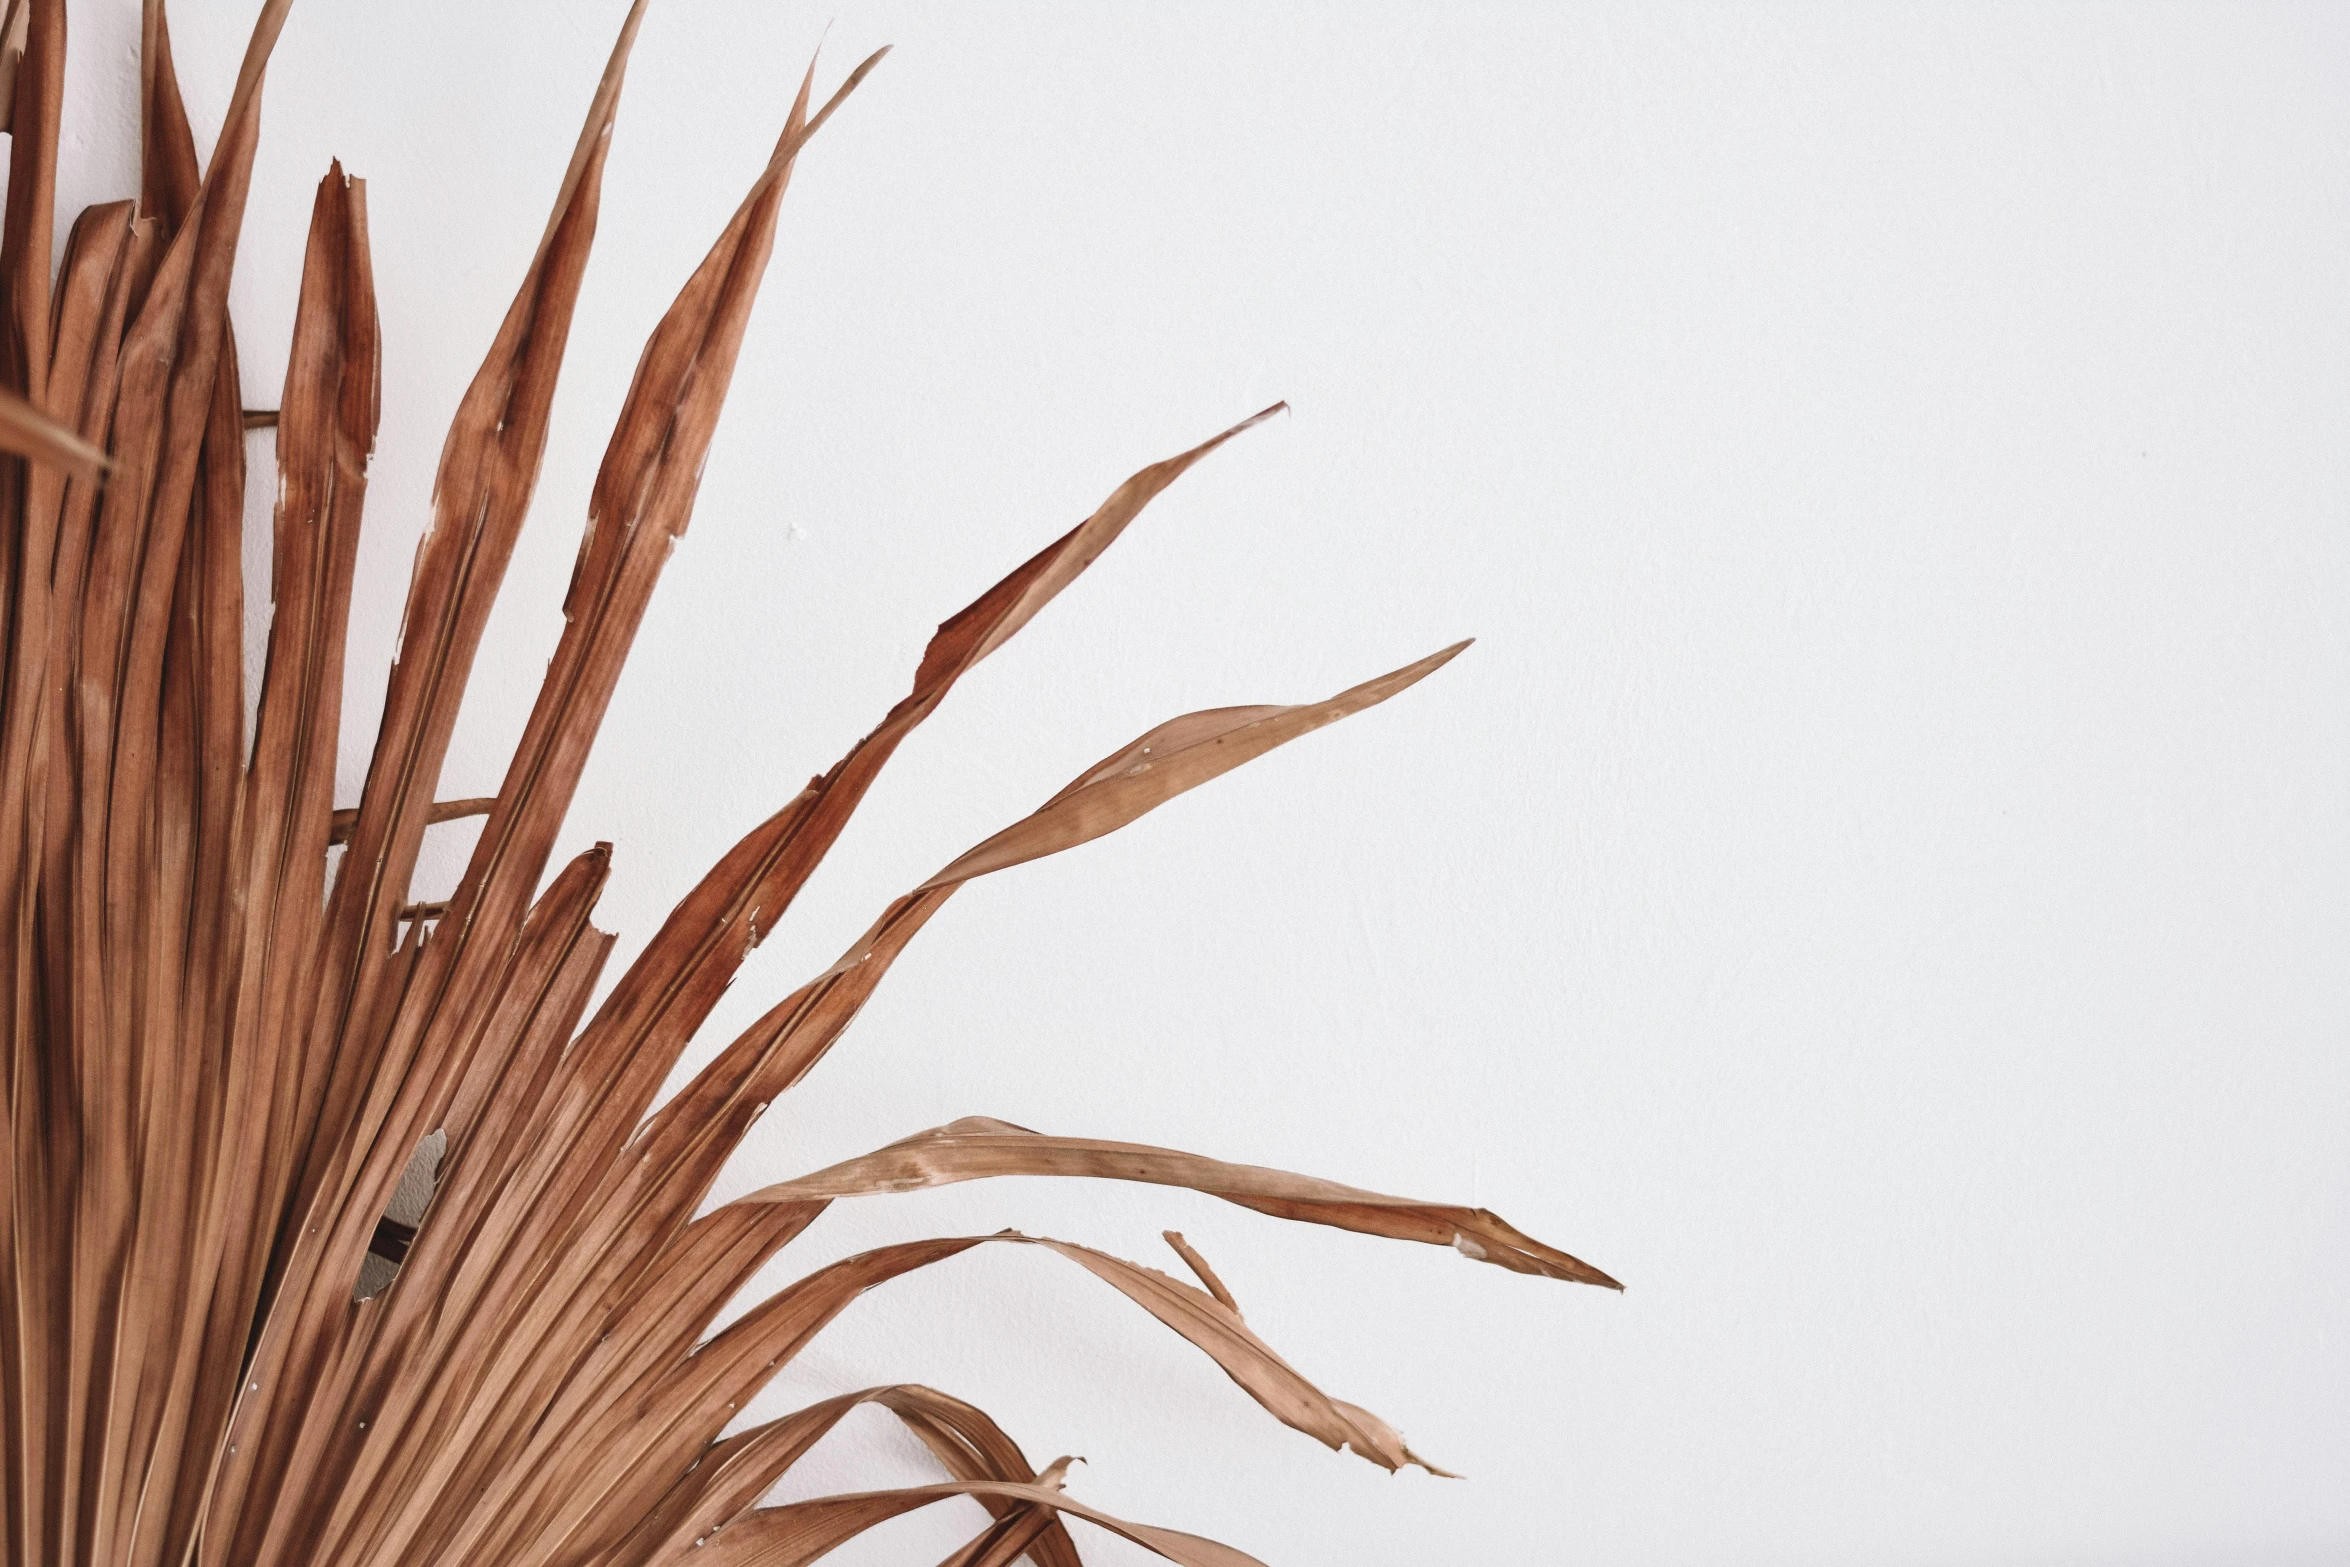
{"points": [[975, 1148], [682, 1408]]}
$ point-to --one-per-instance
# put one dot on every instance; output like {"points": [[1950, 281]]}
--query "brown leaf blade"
{"points": [[1179, 755], [977, 1148], [801, 1532]]}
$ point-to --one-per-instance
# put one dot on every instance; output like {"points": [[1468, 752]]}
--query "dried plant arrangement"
{"points": [[230, 1027]]}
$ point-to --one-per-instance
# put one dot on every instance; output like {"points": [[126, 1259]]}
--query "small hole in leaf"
{"points": [[395, 1232]]}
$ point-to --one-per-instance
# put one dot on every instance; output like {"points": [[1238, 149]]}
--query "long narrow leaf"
{"points": [[976, 1148]]}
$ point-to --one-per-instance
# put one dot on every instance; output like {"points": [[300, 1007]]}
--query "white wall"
{"points": [[1879, 885]]}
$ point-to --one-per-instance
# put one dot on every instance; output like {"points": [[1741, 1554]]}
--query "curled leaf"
{"points": [[733, 1474], [803, 1531]]}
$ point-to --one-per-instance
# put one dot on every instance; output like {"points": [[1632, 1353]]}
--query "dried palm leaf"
{"points": [[224, 1048]]}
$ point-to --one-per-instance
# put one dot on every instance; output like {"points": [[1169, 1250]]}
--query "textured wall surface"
{"points": [[1879, 885]]}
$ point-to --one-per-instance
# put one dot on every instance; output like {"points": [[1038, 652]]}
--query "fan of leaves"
{"points": [[224, 1045]]}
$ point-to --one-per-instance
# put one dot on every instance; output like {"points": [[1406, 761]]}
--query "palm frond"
{"points": [[232, 1026]]}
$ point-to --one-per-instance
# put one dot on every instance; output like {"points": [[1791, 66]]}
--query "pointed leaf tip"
{"points": [[1172, 759], [31, 433]]}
